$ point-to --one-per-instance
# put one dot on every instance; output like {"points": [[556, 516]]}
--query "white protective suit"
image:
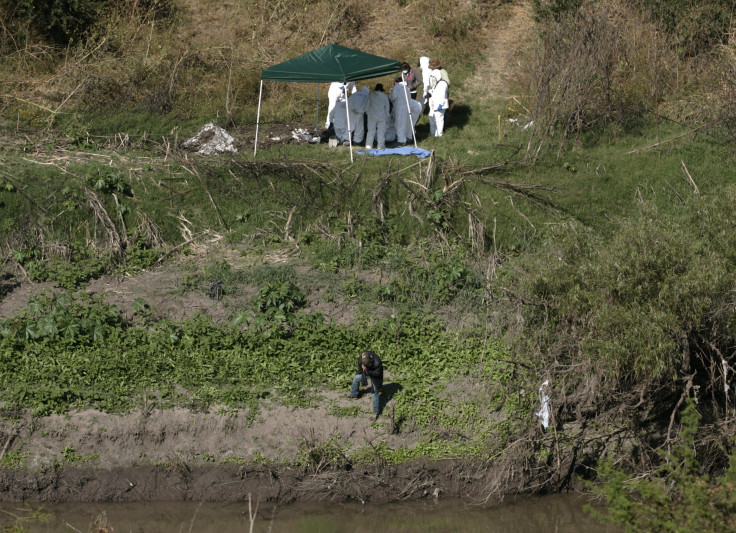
{"points": [[390, 128], [424, 67], [377, 112], [357, 105], [399, 97], [438, 104], [415, 112], [340, 121], [336, 93], [415, 109]]}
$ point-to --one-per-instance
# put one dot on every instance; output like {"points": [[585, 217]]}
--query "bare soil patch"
{"points": [[506, 39], [223, 456], [375, 483]]}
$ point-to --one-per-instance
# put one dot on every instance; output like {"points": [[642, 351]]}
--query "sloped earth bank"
{"points": [[177, 455], [277, 454], [262, 483]]}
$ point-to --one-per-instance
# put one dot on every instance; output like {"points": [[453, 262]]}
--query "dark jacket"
{"points": [[375, 371], [413, 80]]}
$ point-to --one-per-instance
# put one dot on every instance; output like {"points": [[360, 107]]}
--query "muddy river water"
{"points": [[554, 514]]}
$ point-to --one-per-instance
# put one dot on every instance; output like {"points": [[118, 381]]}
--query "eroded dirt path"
{"points": [[504, 43]]}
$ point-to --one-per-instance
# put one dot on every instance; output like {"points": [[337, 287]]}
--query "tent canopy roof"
{"points": [[332, 63]]}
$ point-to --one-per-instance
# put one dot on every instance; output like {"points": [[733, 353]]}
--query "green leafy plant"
{"points": [[71, 456], [109, 181], [276, 305]]}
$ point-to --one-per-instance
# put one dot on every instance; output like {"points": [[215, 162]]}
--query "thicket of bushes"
{"points": [[697, 26], [628, 325], [618, 62], [63, 23], [160, 56]]}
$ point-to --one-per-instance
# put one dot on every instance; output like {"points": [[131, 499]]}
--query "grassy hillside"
{"points": [[573, 225]]}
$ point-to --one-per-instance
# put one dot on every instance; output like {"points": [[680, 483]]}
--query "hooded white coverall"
{"points": [[391, 127], [415, 109], [336, 93], [377, 112], [438, 104], [424, 67], [357, 105], [415, 112], [399, 97], [340, 121]]}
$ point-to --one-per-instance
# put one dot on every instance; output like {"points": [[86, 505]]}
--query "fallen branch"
{"points": [[212, 200], [688, 386], [11, 436], [16, 184], [181, 245], [124, 234], [690, 178]]}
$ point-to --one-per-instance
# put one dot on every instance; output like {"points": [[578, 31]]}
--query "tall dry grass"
{"points": [[601, 64], [610, 63], [204, 57]]}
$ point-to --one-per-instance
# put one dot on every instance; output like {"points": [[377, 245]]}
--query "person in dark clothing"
{"points": [[369, 366], [412, 78]]}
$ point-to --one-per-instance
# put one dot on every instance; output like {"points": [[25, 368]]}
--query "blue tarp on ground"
{"points": [[404, 150]]}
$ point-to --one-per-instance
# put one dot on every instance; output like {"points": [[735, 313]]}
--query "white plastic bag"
{"points": [[543, 413]]}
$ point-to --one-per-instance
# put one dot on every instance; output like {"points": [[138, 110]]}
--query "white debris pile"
{"points": [[520, 123], [211, 140], [301, 134]]}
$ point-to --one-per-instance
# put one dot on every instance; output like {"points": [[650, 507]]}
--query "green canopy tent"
{"points": [[330, 63]]}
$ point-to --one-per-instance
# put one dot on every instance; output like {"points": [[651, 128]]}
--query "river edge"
{"points": [[471, 482], [282, 455]]}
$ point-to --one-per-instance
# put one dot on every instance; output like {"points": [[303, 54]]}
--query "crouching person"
{"points": [[369, 366]]}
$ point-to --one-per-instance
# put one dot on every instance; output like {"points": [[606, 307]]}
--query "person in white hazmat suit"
{"points": [[357, 105], [377, 113], [399, 97], [340, 121], [337, 93], [438, 104], [415, 111], [424, 67], [391, 126]]}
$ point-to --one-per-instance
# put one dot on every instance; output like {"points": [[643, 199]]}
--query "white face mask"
{"points": [[406, 72]]}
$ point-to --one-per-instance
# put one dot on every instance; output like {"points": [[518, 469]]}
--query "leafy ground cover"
{"points": [[63, 354]]}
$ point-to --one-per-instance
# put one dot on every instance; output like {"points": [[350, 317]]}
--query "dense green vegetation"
{"points": [[65, 353], [581, 232]]}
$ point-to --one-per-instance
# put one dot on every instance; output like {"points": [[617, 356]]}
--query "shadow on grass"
{"points": [[457, 116], [387, 393]]}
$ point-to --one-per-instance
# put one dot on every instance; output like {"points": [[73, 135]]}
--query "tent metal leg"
{"points": [[316, 123], [408, 109], [350, 134], [258, 119]]}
